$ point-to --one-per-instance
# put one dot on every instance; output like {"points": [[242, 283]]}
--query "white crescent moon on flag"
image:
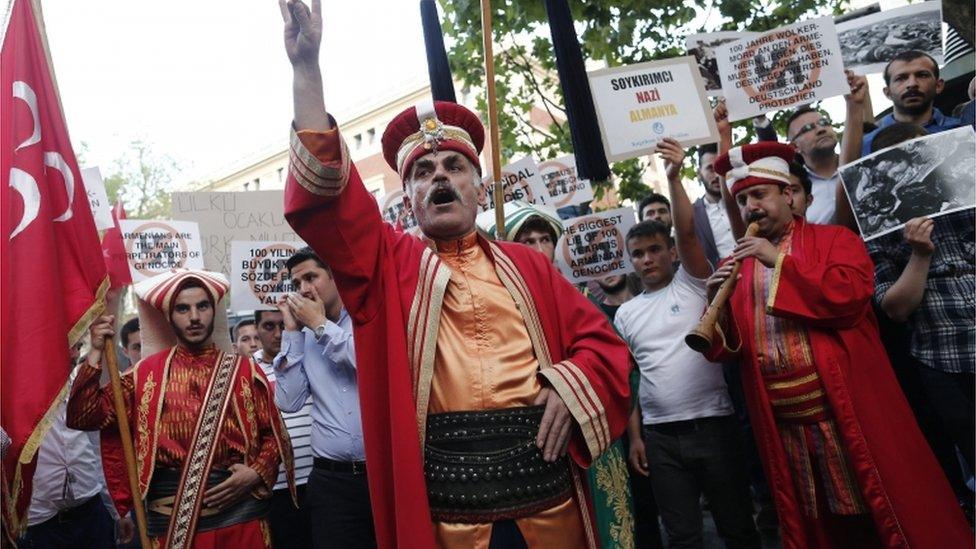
{"points": [[56, 161], [25, 184], [24, 92]]}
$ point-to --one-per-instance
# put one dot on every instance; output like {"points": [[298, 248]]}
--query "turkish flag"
{"points": [[53, 275], [113, 248]]}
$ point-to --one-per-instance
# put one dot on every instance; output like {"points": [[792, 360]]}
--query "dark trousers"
{"points": [[290, 526], [951, 396], [89, 525], [647, 529], [339, 510], [695, 457]]}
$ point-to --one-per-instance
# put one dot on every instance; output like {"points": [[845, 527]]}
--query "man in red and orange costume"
{"points": [[478, 363], [208, 437], [846, 462]]}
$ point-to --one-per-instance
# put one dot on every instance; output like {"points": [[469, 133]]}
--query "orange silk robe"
{"points": [[484, 361]]}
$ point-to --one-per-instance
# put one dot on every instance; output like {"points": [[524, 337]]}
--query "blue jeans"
{"points": [[89, 526]]}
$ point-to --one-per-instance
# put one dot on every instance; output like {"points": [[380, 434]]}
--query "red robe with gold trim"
{"points": [[163, 400], [826, 283], [392, 285]]}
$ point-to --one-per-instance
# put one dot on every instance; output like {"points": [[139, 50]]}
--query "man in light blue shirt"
{"points": [[318, 357], [912, 82]]}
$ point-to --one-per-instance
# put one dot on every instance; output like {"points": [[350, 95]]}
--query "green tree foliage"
{"points": [[141, 179], [617, 32]]}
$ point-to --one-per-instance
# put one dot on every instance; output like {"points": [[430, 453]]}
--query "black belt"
{"points": [[162, 491], [349, 467], [683, 427], [80, 511], [485, 466]]}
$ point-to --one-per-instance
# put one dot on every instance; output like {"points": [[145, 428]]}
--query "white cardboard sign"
{"points": [[782, 68], [563, 186], [638, 105], [521, 180], [594, 246], [157, 246], [97, 198], [259, 276]]}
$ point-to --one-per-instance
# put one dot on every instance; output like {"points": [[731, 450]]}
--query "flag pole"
{"points": [[125, 433], [498, 194]]}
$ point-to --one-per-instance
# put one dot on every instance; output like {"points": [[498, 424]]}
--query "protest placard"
{"points": [[868, 43], [782, 68], [928, 176], [594, 245], [156, 246], [223, 217], [97, 198], [563, 187], [520, 181], [638, 105], [259, 276], [702, 47], [394, 211]]}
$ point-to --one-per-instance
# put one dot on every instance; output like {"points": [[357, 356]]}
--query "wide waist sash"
{"points": [[484, 466], [162, 493], [797, 396]]}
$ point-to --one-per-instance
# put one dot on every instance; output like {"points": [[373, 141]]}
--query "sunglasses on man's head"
{"points": [[821, 123]]}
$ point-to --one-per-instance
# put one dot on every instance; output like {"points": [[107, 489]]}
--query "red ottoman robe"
{"points": [[826, 282], [392, 284]]}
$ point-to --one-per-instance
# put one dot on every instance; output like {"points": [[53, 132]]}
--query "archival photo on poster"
{"points": [[638, 105], [928, 176], [868, 43], [781, 69], [702, 47]]}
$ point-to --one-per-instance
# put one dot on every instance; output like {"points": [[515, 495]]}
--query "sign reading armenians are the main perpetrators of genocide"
{"points": [[223, 217], [782, 68], [521, 180], [97, 198], [156, 246], [593, 246], [868, 43], [258, 274], [703, 47], [929, 176], [638, 105], [563, 187]]}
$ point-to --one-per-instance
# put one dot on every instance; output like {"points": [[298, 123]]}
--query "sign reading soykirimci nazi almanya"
{"points": [[638, 105], [153, 247], [594, 246], [782, 68]]}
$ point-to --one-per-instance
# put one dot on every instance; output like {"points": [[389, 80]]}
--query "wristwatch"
{"points": [[320, 331]]}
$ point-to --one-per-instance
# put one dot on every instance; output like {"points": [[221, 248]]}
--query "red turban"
{"points": [[429, 127], [763, 163]]}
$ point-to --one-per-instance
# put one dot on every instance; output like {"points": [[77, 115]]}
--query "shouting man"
{"points": [[479, 364]]}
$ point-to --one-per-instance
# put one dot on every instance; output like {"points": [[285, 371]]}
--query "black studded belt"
{"points": [[484, 466]]}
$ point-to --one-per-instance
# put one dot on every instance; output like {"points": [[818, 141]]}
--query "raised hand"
{"points": [[673, 155], [859, 87], [303, 31], [721, 114]]}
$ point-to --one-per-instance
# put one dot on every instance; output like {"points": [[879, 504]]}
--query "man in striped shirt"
{"points": [[289, 526]]}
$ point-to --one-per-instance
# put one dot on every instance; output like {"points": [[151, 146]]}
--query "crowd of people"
{"points": [[451, 388]]}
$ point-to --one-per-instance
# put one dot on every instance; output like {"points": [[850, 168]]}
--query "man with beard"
{"points": [[535, 226], [711, 221], [844, 457], [479, 363], [207, 435], [911, 83], [811, 132]]}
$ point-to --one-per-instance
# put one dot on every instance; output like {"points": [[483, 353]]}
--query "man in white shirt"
{"points": [[70, 506], [712, 226], [692, 443]]}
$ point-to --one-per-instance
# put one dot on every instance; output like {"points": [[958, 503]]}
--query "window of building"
{"points": [[358, 141], [281, 172], [257, 184], [370, 136]]}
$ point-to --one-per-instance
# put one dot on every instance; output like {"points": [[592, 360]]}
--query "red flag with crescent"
{"points": [[113, 247], [53, 274]]}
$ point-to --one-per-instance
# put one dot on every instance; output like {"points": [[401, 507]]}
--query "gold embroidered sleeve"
{"points": [[90, 407]]}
